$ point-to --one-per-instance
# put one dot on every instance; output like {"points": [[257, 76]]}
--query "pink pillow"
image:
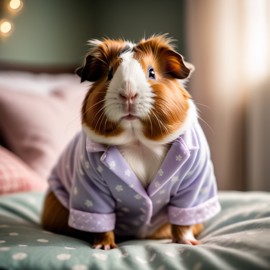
{"points": [[16, 176], [37, 127]]}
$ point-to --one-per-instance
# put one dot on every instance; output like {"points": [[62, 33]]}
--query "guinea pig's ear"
{"points": [[92, 70], [176, 67]]}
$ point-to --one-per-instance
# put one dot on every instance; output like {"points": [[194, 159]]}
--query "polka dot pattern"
{"points": [[19, 256], [240, 232], [41, 240], [63, 257]]}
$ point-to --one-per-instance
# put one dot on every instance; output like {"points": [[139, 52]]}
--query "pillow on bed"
{"points": [[37, 127], [41, 83], [16, 176]]}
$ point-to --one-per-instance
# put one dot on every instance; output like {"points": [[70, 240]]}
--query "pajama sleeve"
{"points": [[195, 199], [91, 204]]}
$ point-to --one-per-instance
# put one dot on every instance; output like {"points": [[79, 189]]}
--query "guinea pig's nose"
{"points": [[128, 96]]}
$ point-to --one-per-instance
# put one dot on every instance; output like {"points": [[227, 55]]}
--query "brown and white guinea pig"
{"points": [[141, 164], [137, 101]]}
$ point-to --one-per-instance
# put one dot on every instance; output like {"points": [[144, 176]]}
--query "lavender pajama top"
{"points": [[102, 193]]}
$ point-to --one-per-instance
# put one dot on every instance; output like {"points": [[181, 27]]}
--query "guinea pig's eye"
{"points": [[151, 73], [110, 74]]}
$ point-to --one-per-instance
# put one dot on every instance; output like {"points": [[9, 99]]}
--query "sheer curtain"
{"points": [[229, 44]]}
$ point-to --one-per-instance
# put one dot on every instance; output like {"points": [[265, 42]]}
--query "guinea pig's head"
{"points": [[136, 94]]}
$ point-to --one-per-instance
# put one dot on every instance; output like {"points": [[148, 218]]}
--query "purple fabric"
{"points": [[102, 193]]}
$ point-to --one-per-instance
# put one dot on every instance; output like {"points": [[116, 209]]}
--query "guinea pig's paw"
{"points": [[184, 235], [103, 241], [187, 238], [193, 242], [105, 246]]}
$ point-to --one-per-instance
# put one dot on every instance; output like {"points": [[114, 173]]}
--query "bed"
{"points": [[237, 238]]}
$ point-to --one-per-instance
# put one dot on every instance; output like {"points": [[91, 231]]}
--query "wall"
{"points": [[47, 32], [56, 32], [136, 19]]}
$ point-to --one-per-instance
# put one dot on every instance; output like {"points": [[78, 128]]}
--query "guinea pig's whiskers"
{"points": [[99, 116], [203, 105], [157, 120], [109, 110], [94, 105], [88, 109], [161, 125], [211, 129]]}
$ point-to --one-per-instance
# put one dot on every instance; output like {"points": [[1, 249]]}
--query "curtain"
{"points": [[228, 41]]}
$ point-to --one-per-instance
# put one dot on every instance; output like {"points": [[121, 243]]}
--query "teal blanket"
{"points": [[237, 238]]}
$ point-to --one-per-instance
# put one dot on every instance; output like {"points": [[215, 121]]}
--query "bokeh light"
{"points": [[5, 27], [15, 5]]}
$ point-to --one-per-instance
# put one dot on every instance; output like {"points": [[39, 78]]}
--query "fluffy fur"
{"points": [[127, 108], [138, 103], [160, 105]]}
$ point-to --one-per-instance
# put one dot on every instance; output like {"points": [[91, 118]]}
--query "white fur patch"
{"points": [[144, 161], [94, 42], [188, 235], [128, 79], [145, 157], [142, 154]]}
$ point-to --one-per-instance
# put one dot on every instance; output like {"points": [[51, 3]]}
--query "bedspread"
{"points": [[237, 238]]}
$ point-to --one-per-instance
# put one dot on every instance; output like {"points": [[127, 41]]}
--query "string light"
{"points": [[5, 27], [12, 8], [15, 5]]}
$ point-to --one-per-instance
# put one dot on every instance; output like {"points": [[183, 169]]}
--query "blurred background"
{"points": [[228, 41], [55, 33]]}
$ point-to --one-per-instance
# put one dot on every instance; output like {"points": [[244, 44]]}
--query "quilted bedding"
{"points": [[237, 238]]}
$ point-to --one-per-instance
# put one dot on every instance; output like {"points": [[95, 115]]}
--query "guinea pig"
{"points": [[141, 166]]}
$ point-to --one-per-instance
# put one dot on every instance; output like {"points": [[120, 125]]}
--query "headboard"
{"points": [[50, 69]]}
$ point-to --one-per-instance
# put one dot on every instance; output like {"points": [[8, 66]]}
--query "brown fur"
{"points": [[169, 113], [103, 59], [171, 101], [93, 113], [55, 219]]}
